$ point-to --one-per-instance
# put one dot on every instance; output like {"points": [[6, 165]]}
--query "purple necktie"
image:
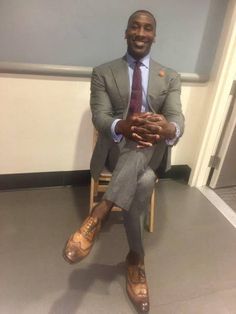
{"points": [[136, 91]]}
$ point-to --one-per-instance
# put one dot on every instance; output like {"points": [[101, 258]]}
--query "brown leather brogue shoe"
{"points": [[80, 243], [136, 286]]}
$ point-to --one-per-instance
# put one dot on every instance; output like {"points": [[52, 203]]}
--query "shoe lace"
{"points": [[90, 226], [141, 274]]}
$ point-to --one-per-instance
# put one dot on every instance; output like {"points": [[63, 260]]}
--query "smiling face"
{"points": [[140, 34]]}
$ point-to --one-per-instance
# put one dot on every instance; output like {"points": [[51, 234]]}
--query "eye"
{"points": [[148, 28], [134, 26]]}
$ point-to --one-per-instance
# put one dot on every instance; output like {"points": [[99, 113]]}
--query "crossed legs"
{"points": [[134, 218], [130, 188]]}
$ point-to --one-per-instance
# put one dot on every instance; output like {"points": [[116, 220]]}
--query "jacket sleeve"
{"points": [[172, 108], [101, 107]]}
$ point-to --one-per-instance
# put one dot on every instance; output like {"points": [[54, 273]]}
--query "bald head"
{"points": [[142, 12]]}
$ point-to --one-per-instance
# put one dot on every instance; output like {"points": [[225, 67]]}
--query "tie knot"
{"points": [[137, 63]]}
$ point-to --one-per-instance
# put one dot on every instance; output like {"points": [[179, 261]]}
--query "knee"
{"points": [[147, 180]]}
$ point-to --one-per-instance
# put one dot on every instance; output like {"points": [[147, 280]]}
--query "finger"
{"points": [[143, 144], [140, 116], [139, 130], [137, 137], [147, 138], [155, 118], [152, 138], [152, 128], [139, 121], [145, 114]]}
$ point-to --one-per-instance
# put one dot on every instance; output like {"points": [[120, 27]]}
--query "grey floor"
{"points": [[190, 258], [228, 195]]}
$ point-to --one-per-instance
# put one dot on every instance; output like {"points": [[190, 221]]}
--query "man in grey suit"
{"points": [[136, 134]]}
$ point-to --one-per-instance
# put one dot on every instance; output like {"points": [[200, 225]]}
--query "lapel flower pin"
{"points": [[161, 73]]}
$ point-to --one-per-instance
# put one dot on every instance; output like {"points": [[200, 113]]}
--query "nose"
{"points": [[140, 31]]}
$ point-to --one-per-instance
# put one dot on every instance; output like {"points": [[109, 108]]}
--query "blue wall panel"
{"points": [[89, 32]]}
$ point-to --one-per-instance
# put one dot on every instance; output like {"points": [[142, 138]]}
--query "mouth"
{"points": [[139, 43]]}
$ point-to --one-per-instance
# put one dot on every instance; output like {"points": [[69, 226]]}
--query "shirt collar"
{"points": [[145, 60]]}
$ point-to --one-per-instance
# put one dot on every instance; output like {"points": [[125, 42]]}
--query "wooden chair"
{"points": [[100, 186]]}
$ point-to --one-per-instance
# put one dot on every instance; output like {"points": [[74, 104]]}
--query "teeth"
{"points": [[139, 43]]}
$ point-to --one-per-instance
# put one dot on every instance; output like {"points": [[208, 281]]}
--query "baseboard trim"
{"points": [[177, 172], [78, 177], [44, 179]]}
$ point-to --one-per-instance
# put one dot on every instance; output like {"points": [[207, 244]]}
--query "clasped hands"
{"points": [[146, 128]]}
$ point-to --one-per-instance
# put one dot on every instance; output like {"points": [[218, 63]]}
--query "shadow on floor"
{"points": [[95, 278]]}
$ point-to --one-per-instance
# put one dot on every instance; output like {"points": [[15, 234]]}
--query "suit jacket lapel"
{"points": [[120, 73], [156, 83]]}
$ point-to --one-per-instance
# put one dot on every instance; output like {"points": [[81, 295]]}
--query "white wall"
{"points": [[45, 124], [194, 101]]}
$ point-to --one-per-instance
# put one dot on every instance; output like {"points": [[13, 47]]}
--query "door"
{"points": [[224, 172]]}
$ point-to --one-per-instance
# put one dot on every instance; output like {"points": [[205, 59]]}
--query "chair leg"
{"points": [[91, 194], [152, 212], [95, 188]]}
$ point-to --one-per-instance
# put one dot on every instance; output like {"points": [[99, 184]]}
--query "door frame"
{"points": [[224, 147], [219, 91]]}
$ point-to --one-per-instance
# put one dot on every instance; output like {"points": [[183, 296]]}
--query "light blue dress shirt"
{"points": [[144, 72]]}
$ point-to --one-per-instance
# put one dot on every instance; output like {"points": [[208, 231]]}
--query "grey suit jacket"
{"points": [[110, 100]]}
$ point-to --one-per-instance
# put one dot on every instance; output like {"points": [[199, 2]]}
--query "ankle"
{"points": [[102, 209], [135, 258]]}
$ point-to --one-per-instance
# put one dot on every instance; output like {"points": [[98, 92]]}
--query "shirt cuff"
{"points": [[171, 142], [116, 137]]}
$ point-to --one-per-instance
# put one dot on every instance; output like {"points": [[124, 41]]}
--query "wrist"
{"points": [[116, 137], [119, 127], [172, 131]]}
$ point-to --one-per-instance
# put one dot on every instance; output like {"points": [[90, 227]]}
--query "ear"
{"points": [[126, 34]]}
